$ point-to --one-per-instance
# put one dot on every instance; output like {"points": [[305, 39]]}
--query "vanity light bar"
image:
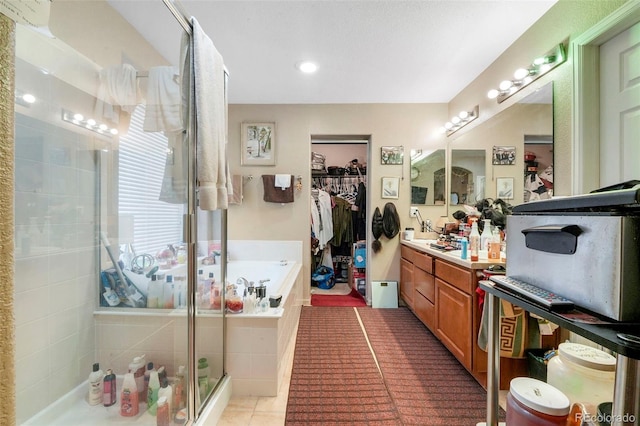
{"points": [[88, 123], [525, 76], [459, 121]]}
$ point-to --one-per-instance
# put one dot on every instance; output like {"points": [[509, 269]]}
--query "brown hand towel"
{"points": [[273, 194]]}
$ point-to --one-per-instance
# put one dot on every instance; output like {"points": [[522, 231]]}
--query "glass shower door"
{"points": [[101, 195]]}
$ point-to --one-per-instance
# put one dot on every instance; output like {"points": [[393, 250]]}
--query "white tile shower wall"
{"points": [[56, 260]]}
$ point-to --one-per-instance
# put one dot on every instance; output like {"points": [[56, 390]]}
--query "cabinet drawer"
{"points": [[423, 261], [424, 283], [425, 311], [457, 277], [407, 253], [406, 282]]}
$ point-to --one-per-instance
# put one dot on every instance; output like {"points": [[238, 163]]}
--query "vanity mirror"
{"points": [[467, 176], [427, 177], [526, 127]]}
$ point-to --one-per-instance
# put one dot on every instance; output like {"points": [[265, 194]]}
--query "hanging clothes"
{"points": [[359, 214], [321, 217], [342, 225]]}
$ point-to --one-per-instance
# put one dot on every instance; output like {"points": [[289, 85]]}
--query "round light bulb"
{"points": [[540, 61], [455, 120], [307, 67], [463, 115], [492, 94], [78, 117], [113, 131], [28, 98], [520, 73], [91, 122], [544, 68], [442, 130], [448, 125], [103, 127], [505, 85]]}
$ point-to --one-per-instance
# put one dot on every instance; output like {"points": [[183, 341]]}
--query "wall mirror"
{"points": [[525, 131], [428, 177], [467, 179]]}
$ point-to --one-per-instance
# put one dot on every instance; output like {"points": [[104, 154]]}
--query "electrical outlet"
{"points": [[414, 212]]}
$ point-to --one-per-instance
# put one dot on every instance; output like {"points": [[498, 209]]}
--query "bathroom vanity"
{"points": [[440, 288]]}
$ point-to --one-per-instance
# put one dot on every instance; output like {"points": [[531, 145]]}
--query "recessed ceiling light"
{"points": [[307, 67]]}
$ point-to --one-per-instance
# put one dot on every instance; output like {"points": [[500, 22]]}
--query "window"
{"points": [[142, 158]]}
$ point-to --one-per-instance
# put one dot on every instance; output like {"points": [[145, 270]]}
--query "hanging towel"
{"points": [[174, 181], [117, 95], [163, 100], [283, 181], [210, 110], [272, 194], [236, 186]]}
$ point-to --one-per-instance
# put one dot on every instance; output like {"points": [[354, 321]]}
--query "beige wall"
{"points": [[7, 336], [409, 125]]}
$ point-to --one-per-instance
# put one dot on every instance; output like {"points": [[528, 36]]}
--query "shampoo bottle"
{"points": [[129, 397], [137, 368], [178, 390], [95, 385], [154, 296], [163, 418], [166, 391], [474, 242], [203, 378], [167, 292], [486, 236], [109, 389], [152, 393]]}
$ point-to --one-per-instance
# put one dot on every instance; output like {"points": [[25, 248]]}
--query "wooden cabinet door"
{"points": [[453, 321], [406, 282]]}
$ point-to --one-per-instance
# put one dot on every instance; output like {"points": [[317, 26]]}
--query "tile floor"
{"points": [[271, 411]]}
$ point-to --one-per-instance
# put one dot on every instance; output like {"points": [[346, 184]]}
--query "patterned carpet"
{"points": [[335, 379], [427, 384]]}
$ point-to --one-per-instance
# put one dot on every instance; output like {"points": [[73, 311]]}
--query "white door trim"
{"points": [[586, 94]]}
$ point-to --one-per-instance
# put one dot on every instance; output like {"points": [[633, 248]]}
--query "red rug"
{"points": [[334, 378], [353, 299]]}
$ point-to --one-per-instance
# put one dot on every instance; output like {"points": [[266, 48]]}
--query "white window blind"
{"points": [[142, 158]]}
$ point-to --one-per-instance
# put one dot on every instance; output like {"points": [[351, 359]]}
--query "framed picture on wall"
{"points": [[390, 187], [392, 155], [504, 155], [504, 188], [258, 144]]}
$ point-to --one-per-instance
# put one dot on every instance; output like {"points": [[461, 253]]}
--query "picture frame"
{"points": [[390, 187], [392, 155], [504, 188], [504, 155], [258, 144]]}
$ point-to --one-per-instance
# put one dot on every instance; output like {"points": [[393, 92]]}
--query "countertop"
{"points": [[452, 256]]}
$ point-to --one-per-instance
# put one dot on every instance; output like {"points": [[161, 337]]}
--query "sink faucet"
{"points": [[263, 281], [242, 281]]}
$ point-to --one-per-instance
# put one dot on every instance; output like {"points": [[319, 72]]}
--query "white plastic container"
{"points": [[531, 402], [137, 368], [585, 374]]}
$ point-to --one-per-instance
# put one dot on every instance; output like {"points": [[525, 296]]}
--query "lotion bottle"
{"points": [[95, 385], [137, 368], [474, 242], [152, 392], [109, 390], [486, 236]]}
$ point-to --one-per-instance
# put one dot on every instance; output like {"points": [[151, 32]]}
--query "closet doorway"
{"points": [[338, 224]]}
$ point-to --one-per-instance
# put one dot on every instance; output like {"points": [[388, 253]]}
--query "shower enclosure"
{"points": [[107, 232]]}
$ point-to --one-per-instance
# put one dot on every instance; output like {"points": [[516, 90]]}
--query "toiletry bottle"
{"points": [[166, 391], [200, 288], [203, 378], [494, 245], [168, 292], [178, 390], [212, 289], [154, 295], [95, 385], [163, 418], [178, 285], [162, 373], [474, 242], [147, 375], [129, 403], [464, 245], [153, 392], [109, 389], [486, 236], [137, 368]]}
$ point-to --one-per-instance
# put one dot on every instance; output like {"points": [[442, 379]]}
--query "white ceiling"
{"points": [[374, 51]]}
